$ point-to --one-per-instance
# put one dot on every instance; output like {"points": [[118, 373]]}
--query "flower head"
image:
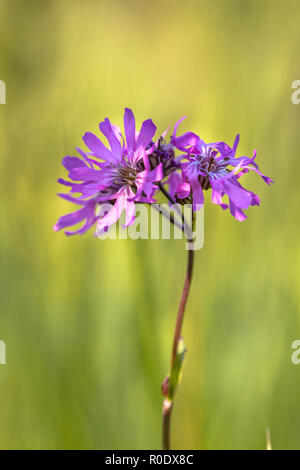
{"points": [[214, 166], [163, 153], [121, 175]]}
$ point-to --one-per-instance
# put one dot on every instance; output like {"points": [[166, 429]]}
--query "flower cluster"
{"points": [[134, 168]]}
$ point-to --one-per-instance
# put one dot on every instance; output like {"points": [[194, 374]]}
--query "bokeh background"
{"points": [[88, 324]]}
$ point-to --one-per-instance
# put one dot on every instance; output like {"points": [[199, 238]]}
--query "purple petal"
{"points": [[255, 200], [147, 131], [216, 198], [71, 199], [144, 199], [224, 149], [88, 224], [85, 174], [154, 175], [72, 162], [237, 213], [238, 195], [235, 145], [85, 157], [198, 197], [130, 214], [129, 208], [64, 182], [244, 167], [70, 219], [183, 190], [97, 147], [117, 131], [86, 212], [189, 139], [129, 126], [87, 188], [114, 214], [107, 130], [178, 187], [144, 182], [173, 182]]}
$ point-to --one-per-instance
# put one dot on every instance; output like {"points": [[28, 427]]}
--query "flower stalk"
{"points": [[172, 380]]}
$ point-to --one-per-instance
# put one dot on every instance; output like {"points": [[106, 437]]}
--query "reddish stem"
{"points": [[168, 404]]}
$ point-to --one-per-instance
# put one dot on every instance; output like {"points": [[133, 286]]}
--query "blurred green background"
{"points": [[88, 324]]}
